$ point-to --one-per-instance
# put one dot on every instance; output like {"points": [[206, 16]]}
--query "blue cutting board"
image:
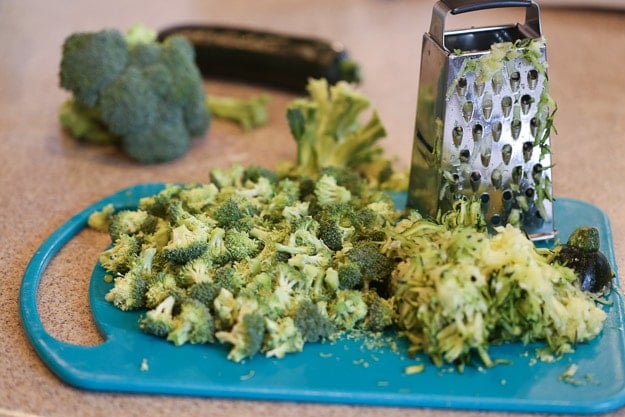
{"points": [[348, 371]]}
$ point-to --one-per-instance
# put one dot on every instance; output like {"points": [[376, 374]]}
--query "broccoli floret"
{"points": [[328, 192], [240, 245], [159, 321], [374, 266], [129, 104], [147, 94], [246, 336], [216, 250], [248, 113], [327, 130], [259, 287], [185, 245], [282, 337], [336, 224], [119, 257], [92, 61], [226, 309], [345, 177], [161, 286], [158, 204], [229, 278], [101, 220], [198, 197], [193, 324], [236, 211], [312, 321], [350, 276], [254, 172], [231, 177], [130, 222], [347, 309], [196, 270], [328, 134], [128, 292], [330, 233], [381, 312], [205, 292]]}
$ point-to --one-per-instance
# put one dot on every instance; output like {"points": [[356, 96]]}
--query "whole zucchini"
{"points": [[263, 57]]}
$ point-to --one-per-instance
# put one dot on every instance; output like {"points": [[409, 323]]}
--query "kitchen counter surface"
{"points": [[45, 176]]}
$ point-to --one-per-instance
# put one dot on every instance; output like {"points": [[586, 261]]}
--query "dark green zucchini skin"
{"points": [[581, 253], [267, 58], [593, 270]]}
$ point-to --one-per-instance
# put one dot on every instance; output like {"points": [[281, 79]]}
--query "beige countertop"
{"points": [[45, 177]]}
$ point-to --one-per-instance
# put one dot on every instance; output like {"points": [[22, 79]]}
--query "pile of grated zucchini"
{"points": [[459, 291]]}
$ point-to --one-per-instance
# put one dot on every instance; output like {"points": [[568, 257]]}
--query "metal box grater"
{"points": [[483, 120]]}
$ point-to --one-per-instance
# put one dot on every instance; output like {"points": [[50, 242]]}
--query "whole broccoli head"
{"points": [[147, 95]]}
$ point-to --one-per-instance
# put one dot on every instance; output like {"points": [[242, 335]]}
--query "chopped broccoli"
{"points": [[348, 309], [226, 309], [381, 312], [328, 192], [205, 292], [236, 211], [367, 267], [130, 222], [282, 337], [119, 257], [161, 286], [133, 90], [247, 113], [231, 177], [312, 321], [229, 278], [331, 233], [240, 245], [255, 172], [193, 324], [246, 336], [327, 131], [197, 197], [350, 276], [101, 220], [196, 270], [185, 245], [159, 321], [128, 292]]}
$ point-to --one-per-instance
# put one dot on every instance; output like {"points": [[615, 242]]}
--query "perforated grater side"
{"points": [[483, 121]]}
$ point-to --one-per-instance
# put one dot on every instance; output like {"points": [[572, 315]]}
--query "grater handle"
{"points": [[445, 7], [466, 6]]}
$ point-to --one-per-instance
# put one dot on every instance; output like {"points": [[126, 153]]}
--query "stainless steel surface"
{"points": [[481, 131]]}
